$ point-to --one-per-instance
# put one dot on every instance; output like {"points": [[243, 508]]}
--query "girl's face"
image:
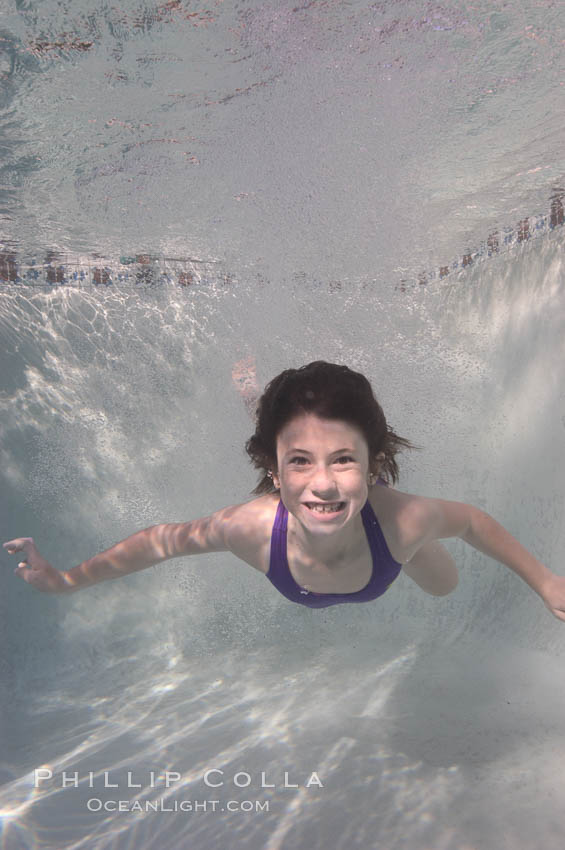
{"points": [[322, 471]]}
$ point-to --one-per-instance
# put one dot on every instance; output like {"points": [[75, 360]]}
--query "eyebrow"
{"points": [[306, 452]]}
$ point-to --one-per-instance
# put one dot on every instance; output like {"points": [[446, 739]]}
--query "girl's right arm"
{"points": [[143, 549]]}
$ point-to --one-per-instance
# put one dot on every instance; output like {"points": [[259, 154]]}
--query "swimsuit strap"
{"points": [[278, 539], [377, 544]]}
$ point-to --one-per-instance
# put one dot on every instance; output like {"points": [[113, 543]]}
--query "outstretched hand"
{"points": [[34, 569], [554, 596]]}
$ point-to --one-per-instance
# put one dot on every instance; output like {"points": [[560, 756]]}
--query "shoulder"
{"points": [[422, 518], [401, 516], [393, 504], [245, 529]]}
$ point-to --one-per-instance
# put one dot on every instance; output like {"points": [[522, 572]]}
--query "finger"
{"points": [[557, 612], [19, 543]]}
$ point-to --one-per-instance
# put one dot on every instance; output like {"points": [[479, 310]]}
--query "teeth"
{"points": [[325, 509]]}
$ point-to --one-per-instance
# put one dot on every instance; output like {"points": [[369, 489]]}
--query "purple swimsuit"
{"points": [[385, 568]]}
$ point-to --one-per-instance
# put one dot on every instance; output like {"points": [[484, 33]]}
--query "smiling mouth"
{"points": [[325, 507]]}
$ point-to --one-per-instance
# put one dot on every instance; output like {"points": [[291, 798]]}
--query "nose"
{"points": [[323, 482]]}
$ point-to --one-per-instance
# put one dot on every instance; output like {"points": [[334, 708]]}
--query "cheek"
{"points": [[289, 481], [358, 484]]}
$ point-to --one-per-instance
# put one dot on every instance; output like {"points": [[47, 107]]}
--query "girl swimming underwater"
{"points": [[325, 528]]}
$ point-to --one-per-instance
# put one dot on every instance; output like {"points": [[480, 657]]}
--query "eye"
{"points": [[298, 460], [345, 459]]}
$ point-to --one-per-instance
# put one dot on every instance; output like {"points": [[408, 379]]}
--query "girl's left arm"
{"points": [[443, 519]]}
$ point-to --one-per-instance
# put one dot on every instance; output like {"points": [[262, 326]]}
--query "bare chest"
{"points": [[347, 576]]}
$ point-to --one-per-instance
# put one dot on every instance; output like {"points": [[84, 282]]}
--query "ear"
{"points": [[274, 478], [375, 468]]}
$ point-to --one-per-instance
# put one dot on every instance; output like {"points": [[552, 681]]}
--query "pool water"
{"points": [[188, 185]]}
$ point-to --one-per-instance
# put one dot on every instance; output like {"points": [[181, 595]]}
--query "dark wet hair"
{"points": [[331, 392]]}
